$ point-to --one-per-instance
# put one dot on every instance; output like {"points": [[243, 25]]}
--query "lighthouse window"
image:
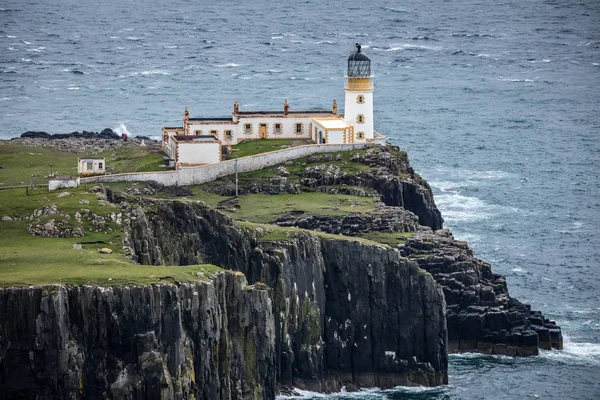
{"points": [[198, 133], [298, 128], [213, 132], [227, 135], [277, 128], [360, 99], [360, 135], [248, 129], [360, 119]]}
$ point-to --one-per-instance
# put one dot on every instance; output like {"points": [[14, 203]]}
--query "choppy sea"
{"points": [[497, 103]]}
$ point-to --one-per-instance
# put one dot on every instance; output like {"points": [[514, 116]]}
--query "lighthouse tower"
{"points": [[359, 95]]}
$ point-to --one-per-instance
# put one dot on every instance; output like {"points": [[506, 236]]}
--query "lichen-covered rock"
{"points": [[345, 312], [206, 340]]}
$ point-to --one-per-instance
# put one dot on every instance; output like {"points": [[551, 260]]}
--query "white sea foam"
{"points": [[371, 393], [73, 88], [155, 72], [5, 98], [121, 129], [26, 42], [11, 48], [11, 36], [518, 269], [515, 79], [170, 47], [457, 207], [573, 352], [229, 65]]}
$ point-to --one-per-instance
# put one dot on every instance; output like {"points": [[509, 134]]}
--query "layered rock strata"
{"points": [[203, 340], [346, 312]]}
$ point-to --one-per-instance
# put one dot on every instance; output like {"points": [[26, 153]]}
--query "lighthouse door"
{"points": [[262, 131]]}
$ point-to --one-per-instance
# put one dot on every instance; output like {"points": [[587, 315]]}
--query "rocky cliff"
{"points": [[346, 312], [482, 317], [205, 340]]}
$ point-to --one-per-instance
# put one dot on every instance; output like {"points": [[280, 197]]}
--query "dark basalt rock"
{"points": [[205, 340], [104, 134], [345, 313], [36, 135], [482, 317], [382, 219]]}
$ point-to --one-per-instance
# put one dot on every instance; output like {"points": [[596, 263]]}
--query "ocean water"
{"points": [[497, 103]]}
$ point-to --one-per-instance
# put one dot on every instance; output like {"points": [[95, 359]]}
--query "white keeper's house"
{"points": [[200, 140]]}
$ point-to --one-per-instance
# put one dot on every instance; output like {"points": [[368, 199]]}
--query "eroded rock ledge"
{"points": [[482, 317]]}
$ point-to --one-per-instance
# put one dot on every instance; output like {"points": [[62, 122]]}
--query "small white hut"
{"points": [[91, 166]]}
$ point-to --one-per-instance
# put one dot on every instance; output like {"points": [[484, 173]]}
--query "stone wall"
{"points": [[210, 172]]}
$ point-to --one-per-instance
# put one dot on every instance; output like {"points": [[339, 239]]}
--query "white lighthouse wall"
{"points": [[352, 109]]}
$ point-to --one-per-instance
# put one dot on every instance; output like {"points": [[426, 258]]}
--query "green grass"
{"points": [[134, 159], [264, 208], [22, 163], [268, 233], [31, 260], [389, 238], [252, 147]]}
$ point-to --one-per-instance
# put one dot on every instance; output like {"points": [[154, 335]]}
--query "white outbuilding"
{"points": [[91, 166]]}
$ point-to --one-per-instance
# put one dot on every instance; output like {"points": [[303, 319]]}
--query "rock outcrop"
{"points": [[383, 169], [347, 312], [482, 317], [206, 340], [382, 219]]}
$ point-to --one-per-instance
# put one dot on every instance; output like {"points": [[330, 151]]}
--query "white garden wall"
{"points": [[210, 172]]}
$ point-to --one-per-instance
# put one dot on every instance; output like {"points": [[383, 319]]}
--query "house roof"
{"points": [[333, 124]]}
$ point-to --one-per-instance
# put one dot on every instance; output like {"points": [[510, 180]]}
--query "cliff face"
{"points": [[209, 340], [345, 312]]}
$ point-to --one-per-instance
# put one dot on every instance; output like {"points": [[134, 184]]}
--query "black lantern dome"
{"points": [[359, 65]]}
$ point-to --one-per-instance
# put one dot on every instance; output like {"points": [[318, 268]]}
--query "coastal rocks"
{"points": [[382, 219], [345, 313], [89, 143], [482, 317], [203, 340], [104, 134], [56, 229]]}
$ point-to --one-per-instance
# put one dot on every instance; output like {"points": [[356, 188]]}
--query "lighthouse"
{"points": [[359, 95]]}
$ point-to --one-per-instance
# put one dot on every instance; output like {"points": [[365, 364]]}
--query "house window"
{"points": [[227, 135], [214, 132], [99, 165], [360, 119], [360, 135], [248, 129], [298, 128], [89, 166], [277, 128], [360, 99], [198, 133]]}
